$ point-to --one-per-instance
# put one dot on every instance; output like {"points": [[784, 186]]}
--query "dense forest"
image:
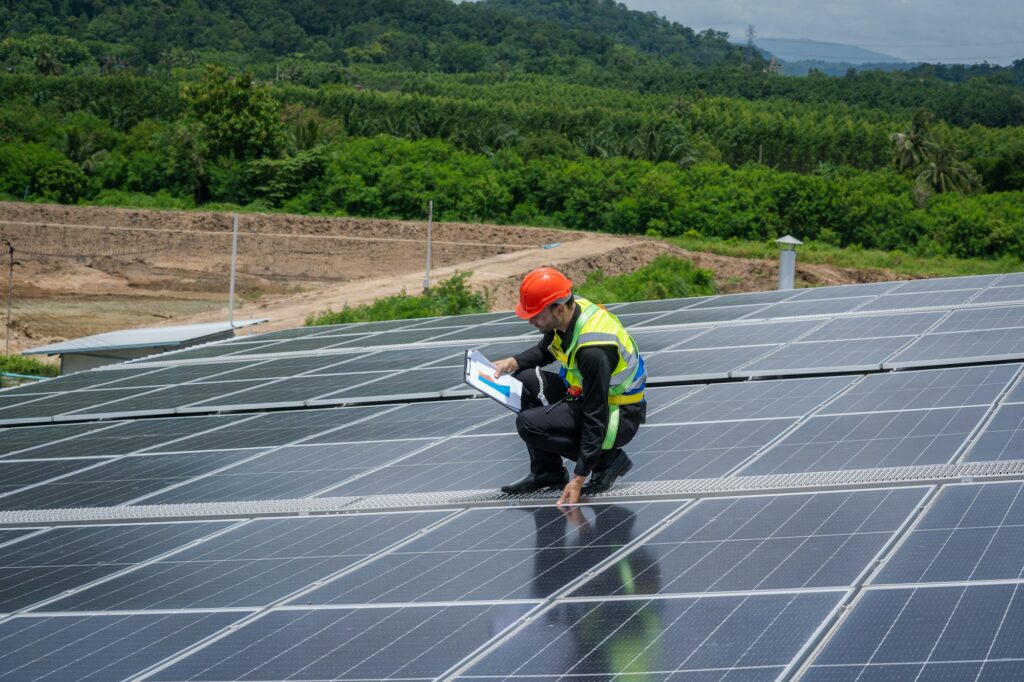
{"points": [[579, 113]]}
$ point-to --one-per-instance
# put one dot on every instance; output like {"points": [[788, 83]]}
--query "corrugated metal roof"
{"points": [[142, 337]]}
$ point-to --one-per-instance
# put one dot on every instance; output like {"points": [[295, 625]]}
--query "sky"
{"points": [[946, 31]]}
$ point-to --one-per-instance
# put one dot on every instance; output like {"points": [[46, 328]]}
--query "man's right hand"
{"points": [[505, 366]]}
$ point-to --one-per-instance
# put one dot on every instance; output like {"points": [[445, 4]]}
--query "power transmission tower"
{"points": [[751, 34]]}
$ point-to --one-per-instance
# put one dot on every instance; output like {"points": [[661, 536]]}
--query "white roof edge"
{"points": [[141, 337]]}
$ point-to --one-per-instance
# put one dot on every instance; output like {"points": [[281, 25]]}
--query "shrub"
{"points": [[448, 297], [664, 277]]}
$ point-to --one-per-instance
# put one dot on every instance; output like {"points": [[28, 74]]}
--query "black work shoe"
{"points": [[535, 482], [601, 481]]}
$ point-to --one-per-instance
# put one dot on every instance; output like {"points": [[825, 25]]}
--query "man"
{"points": [[588, 411]]}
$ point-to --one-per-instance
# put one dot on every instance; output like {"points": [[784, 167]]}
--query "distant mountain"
{"points": [[795, 50]]}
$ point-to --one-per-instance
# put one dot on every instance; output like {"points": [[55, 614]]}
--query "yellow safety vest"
{"points": [[595, 326]]}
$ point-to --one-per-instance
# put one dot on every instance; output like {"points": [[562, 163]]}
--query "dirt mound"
{"points": [[84, 270]]}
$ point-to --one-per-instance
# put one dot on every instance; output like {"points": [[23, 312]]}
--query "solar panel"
{"points": [[118, 481], [700, 364], [846, 290], [288, 472], [485, 555], [730, 637], [163, 400], [748, 335], [734, 576], [824, 306], [705, 450], [956, 387], [863, 441], [874, 326], [1013, 294], [692, 316], [46, 565], [813, 357], [754, 400], [976, 319], [119, 438], [952, 632], [418, 642], [251, 565], [779, 542], [958, 347], [970, 532], [948, 283], [1002, 438], [100, 647], [901, 299]]}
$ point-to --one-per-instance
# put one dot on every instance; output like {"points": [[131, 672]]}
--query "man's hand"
{"points": [[571, 492], [506, 366]]}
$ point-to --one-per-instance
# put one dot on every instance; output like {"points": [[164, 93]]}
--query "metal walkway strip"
{"points": [[930, 474]]}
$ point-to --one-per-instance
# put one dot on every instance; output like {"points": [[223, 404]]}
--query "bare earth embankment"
{"points": [[84, 270]]}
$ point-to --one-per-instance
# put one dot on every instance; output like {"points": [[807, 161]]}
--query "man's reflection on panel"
{"points": [[593, 638]]}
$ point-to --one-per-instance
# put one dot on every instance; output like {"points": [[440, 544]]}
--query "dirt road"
{"points": [[83, 270]]}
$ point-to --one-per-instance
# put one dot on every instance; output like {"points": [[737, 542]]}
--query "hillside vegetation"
{"points": [[572, 113]]}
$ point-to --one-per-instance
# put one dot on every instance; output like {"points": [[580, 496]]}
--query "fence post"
{"points": [[430, 224], [234, 262], [10, 289]]}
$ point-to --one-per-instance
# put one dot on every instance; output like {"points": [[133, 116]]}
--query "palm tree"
{"points": [[46, 65], [945, 172], [913, 147]]}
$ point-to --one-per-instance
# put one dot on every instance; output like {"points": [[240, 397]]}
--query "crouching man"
{"points": [[591, 408]]}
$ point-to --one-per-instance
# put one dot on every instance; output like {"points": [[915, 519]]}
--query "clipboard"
{"points": [[479, 373]]}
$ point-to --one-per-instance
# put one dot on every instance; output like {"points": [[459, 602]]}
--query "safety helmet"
{"points": [[541, 288]]}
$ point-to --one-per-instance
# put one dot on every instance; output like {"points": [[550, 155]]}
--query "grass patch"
{"points": [[448, 297], [664, 277], [854, 258], [17, 364]]}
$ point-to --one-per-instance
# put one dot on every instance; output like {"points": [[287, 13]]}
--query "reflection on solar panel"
{"points": [[795, 510]]}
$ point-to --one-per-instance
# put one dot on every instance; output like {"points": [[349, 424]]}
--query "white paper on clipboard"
{"points": [[480, 375]]}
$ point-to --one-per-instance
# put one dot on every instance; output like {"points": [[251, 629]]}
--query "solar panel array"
{"points": [[321, 504]]}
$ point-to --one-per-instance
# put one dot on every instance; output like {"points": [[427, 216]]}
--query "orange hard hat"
{"points": [[541, 288]]}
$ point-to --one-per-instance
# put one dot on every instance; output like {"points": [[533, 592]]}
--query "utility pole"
{"points": [[234, 263], [751, 34], [430, 224], [10, 289]]}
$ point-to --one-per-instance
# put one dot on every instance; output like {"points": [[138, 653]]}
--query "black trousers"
{"points": [[552, 431]]}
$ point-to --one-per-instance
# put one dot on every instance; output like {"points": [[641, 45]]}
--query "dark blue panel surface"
{"points": [[683, 365], [289, 472], [119, 481], [99, 648], [823, 356], [729, 335], [696, 316], [864, 441], [1002, 438], [123, 437], [952, 633], [972, 532], [60, 559], [417, 420], [463, 463], [933, 348], [698, 450], [710, 638], [522, 553], [874, 326], [976, 319], [754, 400], [762, 543], [275, 428], [14, 475], [955, 387], [253, 565], [22, 437], [905, 299], [348, 644]]}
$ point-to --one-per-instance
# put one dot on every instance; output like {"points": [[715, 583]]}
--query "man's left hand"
{"points": [[571, 492]]}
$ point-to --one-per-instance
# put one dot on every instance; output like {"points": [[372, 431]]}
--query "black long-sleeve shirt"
{"points": [[595, 364]]}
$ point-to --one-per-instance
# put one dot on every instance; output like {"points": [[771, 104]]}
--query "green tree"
{"points": [[239, 119], [913, 147]]}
